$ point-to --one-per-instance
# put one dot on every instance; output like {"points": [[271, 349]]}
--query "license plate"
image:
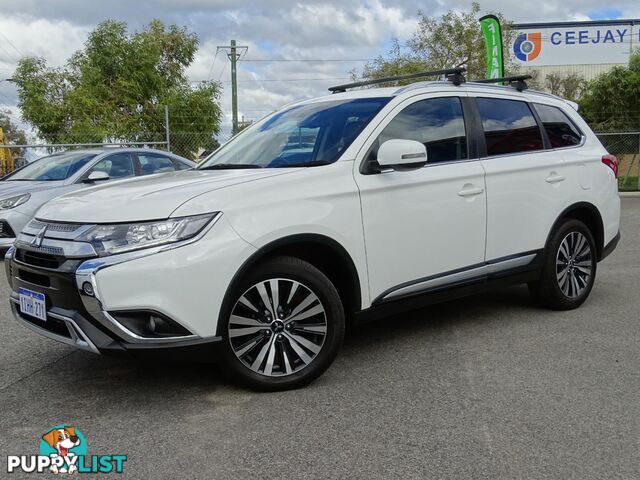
{"points": [[33, 304]]}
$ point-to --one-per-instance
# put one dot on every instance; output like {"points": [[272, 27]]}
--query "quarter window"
{"points": [[151, 163], [437, 123], [509, 126], [560, 130]]}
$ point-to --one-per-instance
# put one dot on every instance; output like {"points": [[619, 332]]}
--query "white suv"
{"points": [[351, 205]]}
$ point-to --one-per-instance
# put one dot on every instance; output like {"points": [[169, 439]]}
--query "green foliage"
{"points": [[13, 134], [453, 40], [116, 87], [570, 85], [612, 101]]}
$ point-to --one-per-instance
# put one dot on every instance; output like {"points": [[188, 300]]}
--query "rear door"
{"points": [[423, 226], [526, 181]]}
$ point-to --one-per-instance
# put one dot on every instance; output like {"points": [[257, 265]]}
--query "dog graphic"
{"points": [[62, 439]]}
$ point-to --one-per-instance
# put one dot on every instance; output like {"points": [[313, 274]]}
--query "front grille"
{"points": [[55, 227], [34, 278], [5, 230], [39, 258]]}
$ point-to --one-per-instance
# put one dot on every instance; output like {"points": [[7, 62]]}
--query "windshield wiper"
{"points": [[314, 163], [230, 166]]}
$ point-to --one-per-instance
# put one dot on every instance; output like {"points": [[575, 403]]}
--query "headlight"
{"points": [[11, 202], [124, 237]]}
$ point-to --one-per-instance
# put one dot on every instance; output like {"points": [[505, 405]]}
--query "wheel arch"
{"points": [[588, 214], [321, 251]]}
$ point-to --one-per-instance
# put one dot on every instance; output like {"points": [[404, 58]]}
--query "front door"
{"points": [[423, 228]]}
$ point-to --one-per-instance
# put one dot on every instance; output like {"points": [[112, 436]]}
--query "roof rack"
{"points": [[454, 75], [517, 81]]}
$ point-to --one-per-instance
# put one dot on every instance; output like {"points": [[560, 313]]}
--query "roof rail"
{"points": [[454, 75], [517, 81]]}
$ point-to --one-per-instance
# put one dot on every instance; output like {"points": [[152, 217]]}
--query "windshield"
{"points": [[55, 167], [304, 135]]}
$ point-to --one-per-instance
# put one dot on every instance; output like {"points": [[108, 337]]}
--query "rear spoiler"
{"points": [[573, 104]]}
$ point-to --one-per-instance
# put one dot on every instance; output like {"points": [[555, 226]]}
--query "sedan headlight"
{"points": [[12, 202], [124, 237]]}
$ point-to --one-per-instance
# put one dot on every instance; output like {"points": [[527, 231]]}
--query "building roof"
{"points": [[588, 23]]}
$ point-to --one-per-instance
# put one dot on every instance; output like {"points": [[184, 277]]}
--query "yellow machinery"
{"points": [[6, 160]]}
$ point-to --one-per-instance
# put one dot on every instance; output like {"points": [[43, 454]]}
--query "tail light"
{"points": [[612, 162]]}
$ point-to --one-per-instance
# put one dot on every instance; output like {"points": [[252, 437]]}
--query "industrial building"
{"points": [[587, 48]]}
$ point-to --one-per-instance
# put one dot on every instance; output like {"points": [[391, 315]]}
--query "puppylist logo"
{"points": [[63, 449], [527, 46]]}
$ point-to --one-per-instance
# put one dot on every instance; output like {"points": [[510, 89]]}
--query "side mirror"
{"points": [[402, 154], [96, 176]]}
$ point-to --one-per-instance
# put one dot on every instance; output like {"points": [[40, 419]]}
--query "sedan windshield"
{"points": [[302, 136], [55, 167]]}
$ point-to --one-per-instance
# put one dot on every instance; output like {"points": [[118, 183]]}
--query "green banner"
{"points": [[492, 34]]}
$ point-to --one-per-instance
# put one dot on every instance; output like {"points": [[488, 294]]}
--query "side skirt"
{"points": [[386, 305]]}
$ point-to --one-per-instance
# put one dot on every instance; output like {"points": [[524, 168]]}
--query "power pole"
{"points": [[235, 51]]}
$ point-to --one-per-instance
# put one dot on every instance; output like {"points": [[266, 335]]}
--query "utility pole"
{"points": [[235, 51]]}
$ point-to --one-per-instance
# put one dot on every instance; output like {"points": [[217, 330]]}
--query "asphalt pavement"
{"points": [[486, 387]]}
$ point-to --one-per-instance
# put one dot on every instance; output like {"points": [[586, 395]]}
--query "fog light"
{"points": [[149, 324], [152, 322], [87, 288]]}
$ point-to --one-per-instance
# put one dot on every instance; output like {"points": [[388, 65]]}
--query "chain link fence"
{"points": [[160, 128], [197, 144], [625, 146]]}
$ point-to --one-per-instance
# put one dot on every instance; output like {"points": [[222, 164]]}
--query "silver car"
{"points": [[24, 191]]}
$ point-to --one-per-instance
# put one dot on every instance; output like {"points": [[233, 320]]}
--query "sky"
{"points": [[333, 37]]}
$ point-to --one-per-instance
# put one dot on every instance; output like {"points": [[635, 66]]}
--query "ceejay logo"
{"points": [[63, 449], [527, 46]]}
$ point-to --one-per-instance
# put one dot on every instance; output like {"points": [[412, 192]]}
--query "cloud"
{"points": [[280, 29]]}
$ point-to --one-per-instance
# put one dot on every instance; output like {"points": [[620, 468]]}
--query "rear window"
{"points": [[560, 129], [509, 126]]}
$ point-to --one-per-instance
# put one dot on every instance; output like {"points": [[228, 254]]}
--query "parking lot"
{"points": [[486, 387]]}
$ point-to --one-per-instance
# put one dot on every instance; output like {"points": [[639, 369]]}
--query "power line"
{"points": [[10, 43], [279, 80], [213, 64], [309, 60]]}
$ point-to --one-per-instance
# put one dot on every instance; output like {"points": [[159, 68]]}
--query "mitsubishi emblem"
{"points": [[37, 240]]}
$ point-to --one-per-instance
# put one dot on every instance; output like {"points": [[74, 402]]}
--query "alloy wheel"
{"points": [[574, 264], [277, 327]]}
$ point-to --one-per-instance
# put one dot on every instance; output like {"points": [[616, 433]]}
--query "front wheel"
{"points": [[569, 268], [284, 327]]}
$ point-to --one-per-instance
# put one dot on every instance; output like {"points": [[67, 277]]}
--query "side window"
{"points": [[509, 126], [560, 129], [154, 163], [118, 165], [438, 123]]}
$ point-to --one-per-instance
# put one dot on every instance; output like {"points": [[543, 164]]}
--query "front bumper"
{"points": [[70, 323], [127, 283]]}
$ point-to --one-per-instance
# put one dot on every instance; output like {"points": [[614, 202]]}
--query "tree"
{"points": [[13, 134], [611, 102], [569, 85], [453, 40], [116, 87]]}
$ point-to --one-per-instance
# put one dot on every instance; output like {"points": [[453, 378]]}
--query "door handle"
{"points": [[555, 178], [469, 192]]}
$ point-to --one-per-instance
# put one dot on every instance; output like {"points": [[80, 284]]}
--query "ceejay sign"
{"points": [[562, 44]]}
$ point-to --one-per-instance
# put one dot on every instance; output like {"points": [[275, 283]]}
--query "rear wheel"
{"points": [[285, 325], [569, 268]]}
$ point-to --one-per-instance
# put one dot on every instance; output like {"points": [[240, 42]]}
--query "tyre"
{"points": [[284, 325], [569, 267]]}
